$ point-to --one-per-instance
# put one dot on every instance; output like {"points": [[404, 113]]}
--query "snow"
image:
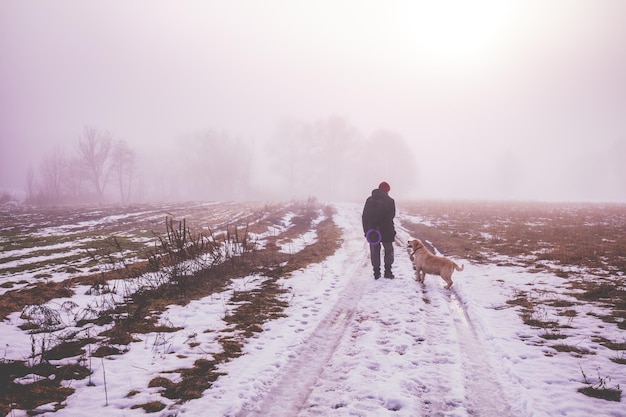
{"points": [[354, 346], [295, 245]]}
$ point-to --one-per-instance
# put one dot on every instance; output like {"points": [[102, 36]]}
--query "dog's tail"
{"points": [[459, 268]]}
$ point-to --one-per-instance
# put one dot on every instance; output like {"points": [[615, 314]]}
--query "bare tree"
{"points": [[74, 183], [53, 173], [123, 164], [94, 151]]}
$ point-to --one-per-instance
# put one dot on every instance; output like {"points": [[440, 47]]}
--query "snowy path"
{"points": [[364, 359], [294, 387]]}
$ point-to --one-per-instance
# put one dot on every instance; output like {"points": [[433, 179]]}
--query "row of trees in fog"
{"points": [[333, 160], [329, 159], [97, 162]]}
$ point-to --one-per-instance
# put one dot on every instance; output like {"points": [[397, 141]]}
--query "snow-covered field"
{"points": [[350, 345]]}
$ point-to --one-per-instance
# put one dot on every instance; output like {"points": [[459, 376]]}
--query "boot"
{"points": [[376, 273], [388, 273]]}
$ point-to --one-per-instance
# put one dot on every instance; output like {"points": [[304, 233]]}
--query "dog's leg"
{"points": [[421, 275], [448, 280]]}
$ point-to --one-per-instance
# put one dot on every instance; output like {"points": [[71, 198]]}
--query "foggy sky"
{"points": [[499, 100]]}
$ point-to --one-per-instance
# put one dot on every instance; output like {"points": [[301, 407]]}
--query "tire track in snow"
{"points": [[460, 380], [290, 393], [457, 354], [484, 396], [440, 392]]}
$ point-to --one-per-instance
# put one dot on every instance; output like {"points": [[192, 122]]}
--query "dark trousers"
{"points": [[375, 254]]}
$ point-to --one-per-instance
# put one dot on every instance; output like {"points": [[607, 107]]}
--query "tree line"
{"points": [[329, 159], [97, 161]]}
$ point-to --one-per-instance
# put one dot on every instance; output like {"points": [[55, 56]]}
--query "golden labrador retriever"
{"points": [[427, 263]]}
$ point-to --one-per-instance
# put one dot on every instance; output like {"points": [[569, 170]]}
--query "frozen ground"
{"points": [[354, 346]]}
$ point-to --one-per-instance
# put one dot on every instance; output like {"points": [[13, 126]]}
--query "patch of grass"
{"points": [[161, 382], [531, 321], [572, 349], [105, 350], [602, 291], [16, 300], [609, 394], [553, 336], [48, 388], [194, 381], [562, 274], [560, 303], [256, 307], [521, 300], [67, 349], [119, 335], [601, 389], [613, 345], [150, 407], [620, 359], [532, 312]]}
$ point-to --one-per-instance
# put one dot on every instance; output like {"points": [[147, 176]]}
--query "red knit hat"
{"points": [[384, 186]]}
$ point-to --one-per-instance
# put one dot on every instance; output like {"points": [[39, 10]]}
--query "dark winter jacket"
{"points": [[378, 213]]}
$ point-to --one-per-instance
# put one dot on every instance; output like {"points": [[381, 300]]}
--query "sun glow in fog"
{"points": [[454, 32]]}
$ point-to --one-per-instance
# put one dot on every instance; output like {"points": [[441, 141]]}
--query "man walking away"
{"points": [[378, 214]]}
